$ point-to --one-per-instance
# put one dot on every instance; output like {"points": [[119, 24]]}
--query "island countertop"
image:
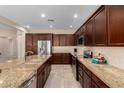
{"points": [[15, 72], [110, 75]]}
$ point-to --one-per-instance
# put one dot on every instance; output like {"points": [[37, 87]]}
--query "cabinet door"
{"points": [[42, 37], [89, 33], [87, 81], [66, 58], [99, 28], [57, 58], [75, 39], [56, 40], [81, 80], [69, 40], [94, 85], [41, 79], [29, 39], [28, 42], [99, 82], [116, 25], [62, 40], [48, 37], [35, 42]]}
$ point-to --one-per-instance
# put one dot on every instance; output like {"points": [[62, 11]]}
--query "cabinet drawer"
{"points": [[80, 71], [87, 81], [80, 64], [87, 71], [99, 82], [94, 85], [80, 80]]}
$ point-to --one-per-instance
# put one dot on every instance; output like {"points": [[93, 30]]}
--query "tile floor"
{"points": [[61, 76]]}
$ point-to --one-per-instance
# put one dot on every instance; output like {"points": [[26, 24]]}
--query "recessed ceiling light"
{"points": [[70, 26], [75, 15], [51, 26], [28, 26], [43, 15]]}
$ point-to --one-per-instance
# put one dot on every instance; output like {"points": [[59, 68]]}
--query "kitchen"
{"points": [[61, 46]]}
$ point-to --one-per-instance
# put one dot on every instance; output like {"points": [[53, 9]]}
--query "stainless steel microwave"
{"points": [[81, 40]]}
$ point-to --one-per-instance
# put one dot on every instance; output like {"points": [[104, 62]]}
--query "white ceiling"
{"points": [[62, 14]]}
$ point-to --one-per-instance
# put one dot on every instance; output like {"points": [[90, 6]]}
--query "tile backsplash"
{"points": [[114, 55], [63, 49]]}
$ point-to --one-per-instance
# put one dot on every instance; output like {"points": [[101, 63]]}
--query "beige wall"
{"points": [[52, 31], [9, 36], [114, 55]]}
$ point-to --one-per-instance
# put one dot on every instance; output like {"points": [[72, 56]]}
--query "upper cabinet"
{"points": [[104, 27], [69, 40], [89, 33], [28, 42], [35, 38], [32, 41], [99, 28], [63, 40], [29, 39], [116, 25], [55, 40]]}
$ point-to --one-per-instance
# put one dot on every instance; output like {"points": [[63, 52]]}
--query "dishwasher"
{"points": [[30, 83]]}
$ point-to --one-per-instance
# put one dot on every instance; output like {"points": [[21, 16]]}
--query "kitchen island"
{"points": [[16, 72]]}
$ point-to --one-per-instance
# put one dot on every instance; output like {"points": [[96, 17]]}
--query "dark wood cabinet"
{"points": [[104, 27], [57, 58], [42, 37], [98, 82], [99, 28], [29, 39], [88, 79], [75, 40], [94, 85], [115, 25], [32, 41], [81, 80], [89, 33], [43, 73], [28, 42], [63, 40], [61, 58], [35, 38], [66, 58], [56, 40], [69, 40]]}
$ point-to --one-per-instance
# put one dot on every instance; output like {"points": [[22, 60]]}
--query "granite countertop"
{"points": [[110, 75], [15, 72]]}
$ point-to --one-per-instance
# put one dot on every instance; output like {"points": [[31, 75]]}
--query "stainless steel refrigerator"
{"points": [[44, 47]]}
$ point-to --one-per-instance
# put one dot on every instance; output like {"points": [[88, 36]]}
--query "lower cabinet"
{"points": [[88, 79], [43, 73], [80, 78], [61, 58], [94, 85]]}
